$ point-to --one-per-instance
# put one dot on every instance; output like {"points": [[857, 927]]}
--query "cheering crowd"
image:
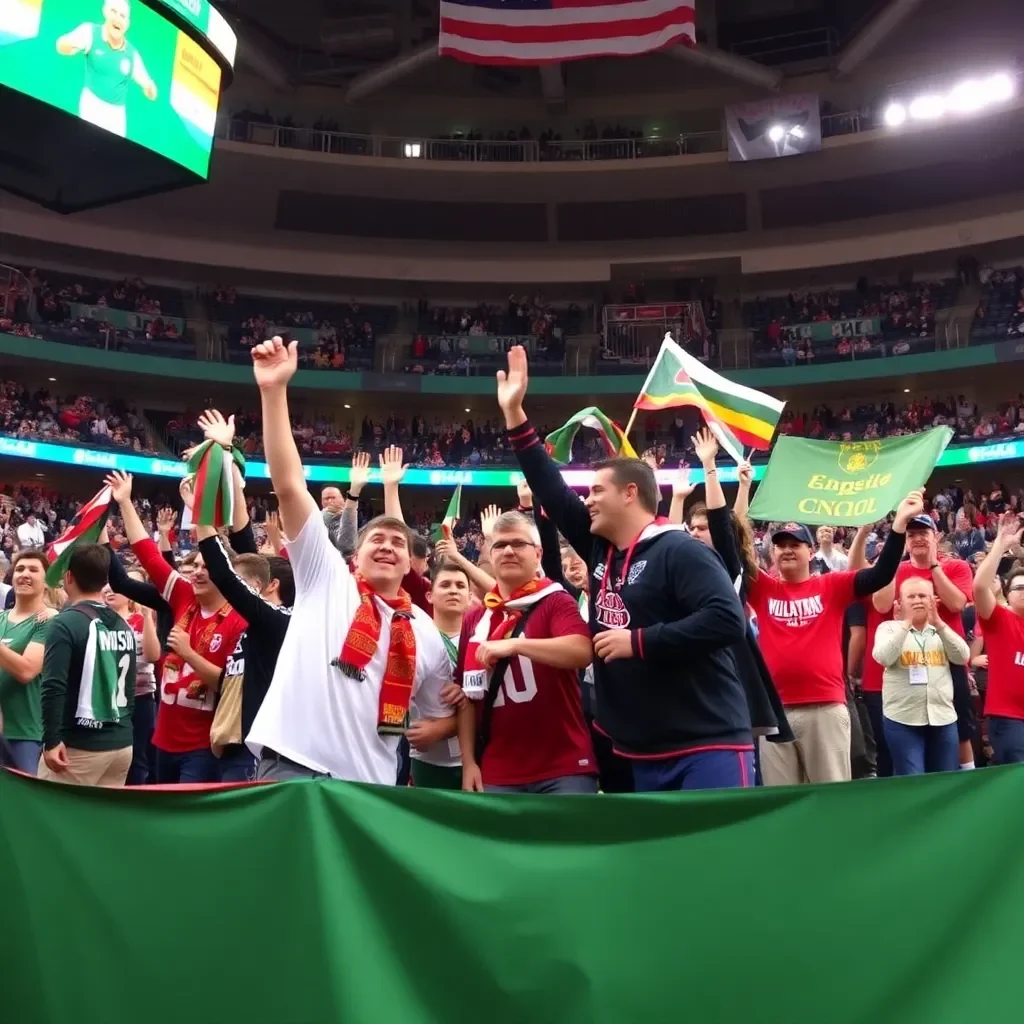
{"points": [[589, 645]]}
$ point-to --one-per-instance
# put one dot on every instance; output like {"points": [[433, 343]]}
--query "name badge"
{"points": [[918, 675], [474, 684]]}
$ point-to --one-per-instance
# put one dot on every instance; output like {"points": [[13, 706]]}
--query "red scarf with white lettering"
{"points": [[361, 643]]}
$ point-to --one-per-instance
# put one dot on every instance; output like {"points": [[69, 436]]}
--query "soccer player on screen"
{"points": [[111, 62]]}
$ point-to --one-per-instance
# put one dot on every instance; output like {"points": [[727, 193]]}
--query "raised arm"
{"points": [[347, 531], [682, 488], [883, 572], [274, 365], [550, 551], [1007, 537], [746, 477], [858, 557], [120, 485], [559, 500], [78, 40], [706, 447], [392, 469]]}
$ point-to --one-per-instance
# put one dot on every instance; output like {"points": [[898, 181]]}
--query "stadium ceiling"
{"points": [[366, 45]]}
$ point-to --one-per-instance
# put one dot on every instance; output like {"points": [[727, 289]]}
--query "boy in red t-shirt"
{"points": [[205, 635], [529, 735]]}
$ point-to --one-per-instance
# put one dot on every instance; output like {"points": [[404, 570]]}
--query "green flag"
{"points": [[844, 483], [559, 442], [453, 512]]}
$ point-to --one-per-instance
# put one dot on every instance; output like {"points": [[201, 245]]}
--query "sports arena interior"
{"points": [[820, 200]]}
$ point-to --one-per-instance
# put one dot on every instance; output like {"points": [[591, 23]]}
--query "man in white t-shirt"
{"points": [[357, 650], [828, 553], [31, 533]]}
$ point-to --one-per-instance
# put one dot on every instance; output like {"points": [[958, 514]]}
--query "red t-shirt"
{"points": [[537, 727], [959, 574], [1004, 645], [183, 721], [800, 631]]}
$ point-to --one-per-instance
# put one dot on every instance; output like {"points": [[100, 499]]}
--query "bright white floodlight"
{"points": [[895, 115], [999, 88], [776, 133], [968, 96], [928, 107]]}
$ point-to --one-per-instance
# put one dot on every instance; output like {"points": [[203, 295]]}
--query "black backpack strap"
{"points": [[89, 610], [483, 734]]}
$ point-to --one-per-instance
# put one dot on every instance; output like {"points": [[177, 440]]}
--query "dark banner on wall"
{"points": [[783, 126]]}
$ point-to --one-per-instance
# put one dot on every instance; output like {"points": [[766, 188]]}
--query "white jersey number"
{"points": [[511, 688]]}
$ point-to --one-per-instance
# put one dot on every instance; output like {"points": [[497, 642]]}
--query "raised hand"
{"points": [[166, 519], [392, 469], [524, 494], [746, 473], [512, 382], [488, 518], [912, 505], [933, 612], [274, 534], [360, 475], [706, 447], [651, 458], [682, 486], [216, 428], [1010, 530], [274, 363], [120, 485]]}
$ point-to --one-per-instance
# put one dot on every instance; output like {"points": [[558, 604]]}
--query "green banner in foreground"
{"points": [[844, 483], [896, 900]]}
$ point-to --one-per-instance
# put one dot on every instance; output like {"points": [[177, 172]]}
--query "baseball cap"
{"points": [[795, 530], [922, 522]]}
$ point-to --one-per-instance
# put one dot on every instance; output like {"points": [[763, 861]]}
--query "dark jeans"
{"points": [[564, 784], [189, 767], [404, 772], [883, 761], [963, 703], [237, 764], [917, 749], [703, 769], [1007, 738], [26, 754], [142, 770], [615, 773]]}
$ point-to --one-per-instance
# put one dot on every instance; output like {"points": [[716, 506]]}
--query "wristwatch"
{"points": [[349, 496]]}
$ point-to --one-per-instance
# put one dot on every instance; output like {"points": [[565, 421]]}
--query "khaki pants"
{"points": [[91, 768], [820, 751]]}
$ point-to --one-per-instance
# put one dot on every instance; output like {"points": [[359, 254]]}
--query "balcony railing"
{"points": [[496, 151]]}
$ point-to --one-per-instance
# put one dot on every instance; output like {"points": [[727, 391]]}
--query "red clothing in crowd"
{"points": [[800, 631], [183, 720], [537, 727], [1004, 645]]}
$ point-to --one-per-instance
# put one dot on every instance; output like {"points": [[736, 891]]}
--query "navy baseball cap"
{"points": [[922, 522], [795, 530]]}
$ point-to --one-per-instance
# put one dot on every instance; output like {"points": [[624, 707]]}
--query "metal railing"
{"points": [[495, 150]]}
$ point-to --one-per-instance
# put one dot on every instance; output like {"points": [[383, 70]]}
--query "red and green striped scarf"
{"points": [[214, 493]]}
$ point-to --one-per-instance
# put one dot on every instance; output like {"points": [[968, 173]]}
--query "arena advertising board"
{"points": [[119, 65], [148, 465]]}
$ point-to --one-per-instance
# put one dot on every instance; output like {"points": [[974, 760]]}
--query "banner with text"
{"points": [[832, 330], [123, 318], [844, 483]]}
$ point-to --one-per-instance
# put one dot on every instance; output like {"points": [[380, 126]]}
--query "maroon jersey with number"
{"points": [[537, 727]]}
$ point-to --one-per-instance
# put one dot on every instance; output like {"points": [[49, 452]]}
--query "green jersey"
{"points": [[19, 703], [88, 679], [107, 70]]}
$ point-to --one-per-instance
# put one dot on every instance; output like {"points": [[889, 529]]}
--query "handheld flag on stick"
{"points": [[559, 442], [453, 512], [738, 416], [85, 528], [214, 493]]}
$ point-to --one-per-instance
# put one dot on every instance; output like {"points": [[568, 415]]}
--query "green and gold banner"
{"points": [[833, 330], [844, 483], [896, 900]]}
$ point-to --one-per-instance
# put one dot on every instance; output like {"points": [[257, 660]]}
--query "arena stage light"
{"points": [[929, 107], [412, 149], [1000, 87], [895, 115], [776, 133]]}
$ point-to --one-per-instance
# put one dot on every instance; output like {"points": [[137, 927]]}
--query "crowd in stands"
{"points": [[1000, 313], [76, 419]]}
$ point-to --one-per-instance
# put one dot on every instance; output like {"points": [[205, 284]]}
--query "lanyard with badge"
{"points": [[919, 673]]}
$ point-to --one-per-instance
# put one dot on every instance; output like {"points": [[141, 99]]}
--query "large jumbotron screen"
{"points": [[119, 65]]}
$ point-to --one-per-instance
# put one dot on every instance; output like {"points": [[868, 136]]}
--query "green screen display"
{"points": [[116, 64]]}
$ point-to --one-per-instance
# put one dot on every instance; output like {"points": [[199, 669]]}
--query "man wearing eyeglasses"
{"points": [[522, 730]]}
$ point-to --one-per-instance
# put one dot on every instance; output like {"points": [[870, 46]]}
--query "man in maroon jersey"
{"points": [[523, 729]]}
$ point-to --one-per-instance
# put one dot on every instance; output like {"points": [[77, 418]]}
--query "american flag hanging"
{"points": [[540, 31]]}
